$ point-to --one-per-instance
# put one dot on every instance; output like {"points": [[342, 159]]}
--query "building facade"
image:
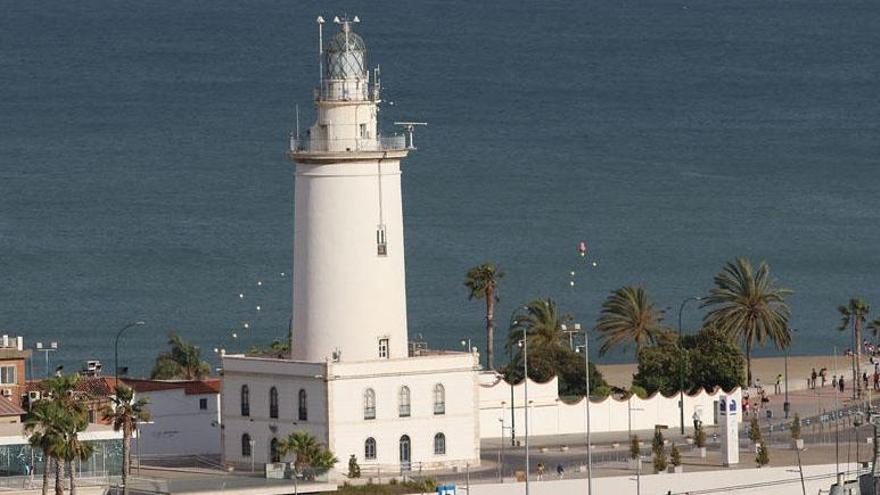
{"points": [[351, 380]]}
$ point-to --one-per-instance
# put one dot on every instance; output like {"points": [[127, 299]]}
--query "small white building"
{"points": [[351, 380], [184, 417]]}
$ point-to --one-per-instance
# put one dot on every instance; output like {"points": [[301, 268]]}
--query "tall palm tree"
{"points": [[482, 282], [183, 361], [67, 414], [74, 450], [854, 314], [746, 304], [41, 426], [310, 455], [874, 328], [628, 315], [124, 412], [547, 344]]}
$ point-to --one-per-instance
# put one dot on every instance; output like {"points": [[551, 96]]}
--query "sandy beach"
{"points": [[765, 369]]}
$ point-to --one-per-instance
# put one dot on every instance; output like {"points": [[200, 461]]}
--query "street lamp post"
{"points": [[525, 347], [501, 451], [512, 400], [680, 367], [586, 348], [52, 347], [466, 343], [116, 346]]}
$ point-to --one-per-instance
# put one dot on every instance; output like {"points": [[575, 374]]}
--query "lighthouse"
{"points": [[349, 294], [350, 380]]}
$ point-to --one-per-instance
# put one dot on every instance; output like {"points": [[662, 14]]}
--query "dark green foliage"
{"points": [[182, 362], [660, 366], [628, 317], [279, 348], [392, 488], [754, 430], [716, 360], [482, 283], [700, 436], [657, 443], [762, 458], [549, 353], [747, 305], [675, 456], [658, 447], [638, 391], [354, 470], [634, 449], [796, 427]]}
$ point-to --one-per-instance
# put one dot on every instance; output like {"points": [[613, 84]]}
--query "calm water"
{"points": [[141, 171]]}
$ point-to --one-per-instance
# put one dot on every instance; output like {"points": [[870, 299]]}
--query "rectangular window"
{"points": [[383, 348], [364, 131], [203, 404], [7, 375], [381, 243]]}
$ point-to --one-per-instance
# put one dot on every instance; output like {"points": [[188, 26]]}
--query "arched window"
{"points": [[274, 456], [405, 453], [439, 399], [439, 444], [246, 445], [403, 402], [245, 401], [369, 404], [273, 403], [303, 405], [370, 449]]}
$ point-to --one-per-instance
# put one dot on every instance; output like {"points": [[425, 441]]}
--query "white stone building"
{"points": [[184, 417], [351, 380]]}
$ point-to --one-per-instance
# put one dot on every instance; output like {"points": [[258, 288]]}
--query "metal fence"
{"points": [[394, 142]]}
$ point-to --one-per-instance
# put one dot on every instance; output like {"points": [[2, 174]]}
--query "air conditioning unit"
{"points": [[34, 395], [7, 392]]}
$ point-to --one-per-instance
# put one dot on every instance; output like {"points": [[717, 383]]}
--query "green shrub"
{"points": [[796, 427], [634, 450], [700, 436], [762, 458], [675, 456], [754, 430], [638, 391]]}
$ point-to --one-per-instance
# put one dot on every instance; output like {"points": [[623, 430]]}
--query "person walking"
{"points": [[834, 382], [840, 384], [540, 471], [823, 374], [777, 387], [813, 377], [560, 471]]}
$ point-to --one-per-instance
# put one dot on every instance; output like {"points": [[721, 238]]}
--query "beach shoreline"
{"points": [[764, 369]]}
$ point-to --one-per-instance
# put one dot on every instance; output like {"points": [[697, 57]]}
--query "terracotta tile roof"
{"points": [[7, 408], [190, 387], [92, 386]]}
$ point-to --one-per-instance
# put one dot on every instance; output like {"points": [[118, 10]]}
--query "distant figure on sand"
{"points": [[777, 387], [813, 377], [834, 382], [823, 373], [840, 384]]}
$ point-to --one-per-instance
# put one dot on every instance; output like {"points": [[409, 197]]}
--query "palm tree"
{"points": [[64, 417], [547, 344], [183, 361], [309, 453], [874, 327], [746, 304], [73, 449], [41, 428], [482, 282], [628, 315], [854, 314], [125, 412]]}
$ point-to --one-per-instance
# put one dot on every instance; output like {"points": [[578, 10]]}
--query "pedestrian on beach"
{"points": [[813, 376], [840, 384], [823, 373], [540, 471], [560, 471], [834, 382], [777, 387], [876, 381], [865, 379], [758, 383]]}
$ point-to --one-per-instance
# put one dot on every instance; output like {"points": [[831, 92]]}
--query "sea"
{"points": [[142, 175]]}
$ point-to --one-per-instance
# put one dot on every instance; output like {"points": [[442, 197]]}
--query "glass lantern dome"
{"points": [[346, 55]]}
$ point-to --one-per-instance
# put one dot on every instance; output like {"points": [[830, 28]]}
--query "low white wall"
{"points": [[549, 415], [773, 481]]}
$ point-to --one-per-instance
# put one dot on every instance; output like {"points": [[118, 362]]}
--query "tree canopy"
{"points": [[182, 362]]}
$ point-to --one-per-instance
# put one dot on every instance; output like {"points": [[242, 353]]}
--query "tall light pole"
{"points": [[116, 347], [513, 322], [525, 348], [680, 367], [577, 326]]}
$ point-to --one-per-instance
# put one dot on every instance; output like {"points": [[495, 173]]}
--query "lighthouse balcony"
{"points": [[395, 142]]}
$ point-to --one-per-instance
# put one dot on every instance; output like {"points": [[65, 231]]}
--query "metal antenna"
{"points": [[408, 128], [320, 21], [297, 122]]}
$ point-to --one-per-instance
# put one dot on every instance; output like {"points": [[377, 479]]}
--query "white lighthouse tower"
{"points": [[350, 380], [349, 295]]}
